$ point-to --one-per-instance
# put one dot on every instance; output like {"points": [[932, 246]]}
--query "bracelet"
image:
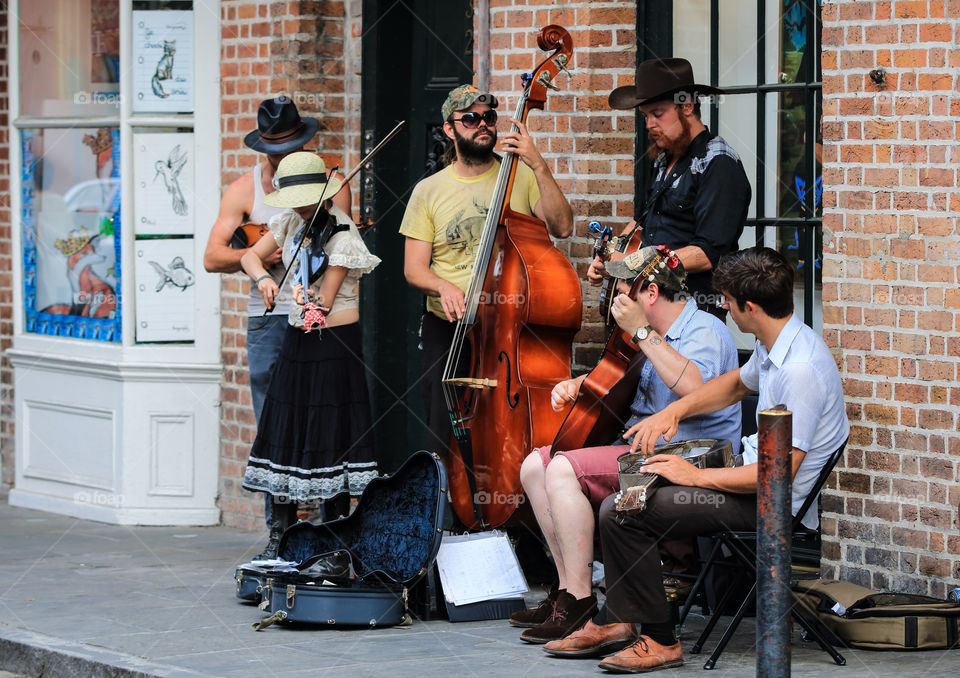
{"points": [[685, 365], [262, 277]]}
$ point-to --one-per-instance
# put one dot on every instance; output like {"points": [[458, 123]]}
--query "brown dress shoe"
{"points": [[644, 655], [526, 619], [568, 615], [593, 641]]}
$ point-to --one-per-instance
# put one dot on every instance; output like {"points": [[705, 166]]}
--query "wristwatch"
{"points": [[641, 334]]}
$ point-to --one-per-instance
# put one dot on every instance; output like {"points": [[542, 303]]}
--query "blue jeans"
{"points": [[264, 337]]}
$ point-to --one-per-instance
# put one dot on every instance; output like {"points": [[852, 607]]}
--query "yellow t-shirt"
{"points": [[449, 211]]}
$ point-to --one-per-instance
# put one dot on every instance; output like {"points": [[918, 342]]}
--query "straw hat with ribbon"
{"points": [[301, 180]]}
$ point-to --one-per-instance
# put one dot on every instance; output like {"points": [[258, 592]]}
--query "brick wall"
{"points": [[890, 294], [7, 423], [589, 147], [267, 49]]}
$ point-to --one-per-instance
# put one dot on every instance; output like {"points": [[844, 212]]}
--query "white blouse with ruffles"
{"points": [[345, 249]]}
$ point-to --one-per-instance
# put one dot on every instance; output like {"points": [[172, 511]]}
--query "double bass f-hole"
{"points": [[513, 399]]}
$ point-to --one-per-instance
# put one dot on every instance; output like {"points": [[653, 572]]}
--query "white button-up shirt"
{"points": [[800, 372]]}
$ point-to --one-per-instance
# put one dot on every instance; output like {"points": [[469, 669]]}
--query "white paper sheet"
{"points": [[163, 177], [163, 79], [164, 278], [476, 567]]}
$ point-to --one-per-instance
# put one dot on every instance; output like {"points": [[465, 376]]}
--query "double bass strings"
{"points": [[474, 289]]}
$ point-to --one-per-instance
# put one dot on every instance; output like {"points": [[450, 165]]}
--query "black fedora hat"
{"points": [[280, 129], [658, 79]]}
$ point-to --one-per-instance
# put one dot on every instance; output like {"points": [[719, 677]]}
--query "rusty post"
{"points": [[774, 485]]}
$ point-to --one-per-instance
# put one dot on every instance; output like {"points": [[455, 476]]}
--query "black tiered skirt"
{"points": [[314, 438]]}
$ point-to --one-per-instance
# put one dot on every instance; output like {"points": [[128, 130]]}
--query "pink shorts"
{"points": [[595, 467]]}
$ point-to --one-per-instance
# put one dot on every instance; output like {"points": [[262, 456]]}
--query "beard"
{"points": [[674, 148], [472, 152]]}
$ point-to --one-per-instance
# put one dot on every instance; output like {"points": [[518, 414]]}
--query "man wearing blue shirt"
{"points": [[683, 347], [790, 365]]}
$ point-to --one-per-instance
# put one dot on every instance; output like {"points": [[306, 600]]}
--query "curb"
{"points": [[34, 654]]}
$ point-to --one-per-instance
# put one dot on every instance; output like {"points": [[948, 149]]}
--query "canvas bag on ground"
{"points": [[873, 620]]}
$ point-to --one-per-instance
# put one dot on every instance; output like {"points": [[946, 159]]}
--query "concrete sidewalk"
{"points": [[79, 598]]}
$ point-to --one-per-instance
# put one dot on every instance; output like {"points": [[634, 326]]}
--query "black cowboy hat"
{"points": [[280, 129], [659, 79]]}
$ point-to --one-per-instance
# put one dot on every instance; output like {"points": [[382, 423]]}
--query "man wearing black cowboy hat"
{"points": [[698, 200], [280, 132]]}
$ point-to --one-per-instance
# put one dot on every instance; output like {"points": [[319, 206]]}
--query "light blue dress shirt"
{"points": [[707, 342], [800, 372]]}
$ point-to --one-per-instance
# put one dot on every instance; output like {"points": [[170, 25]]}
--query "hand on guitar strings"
{"points": [[564, 393], [646, 433], [672, 467]]}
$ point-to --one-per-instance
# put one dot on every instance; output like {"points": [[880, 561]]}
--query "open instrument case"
{"points": [[367, 561]]}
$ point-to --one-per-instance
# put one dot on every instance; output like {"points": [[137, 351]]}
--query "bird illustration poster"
{"points": [[163, 197], [165, 279], [163, 61]]}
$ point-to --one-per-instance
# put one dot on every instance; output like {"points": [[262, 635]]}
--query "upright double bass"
{"points": [[513, 344]]}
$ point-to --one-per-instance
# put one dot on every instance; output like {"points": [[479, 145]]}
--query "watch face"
{"points": [[640, 334]]}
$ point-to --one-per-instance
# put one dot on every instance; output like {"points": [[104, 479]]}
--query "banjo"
{"points": [[636, 487]]}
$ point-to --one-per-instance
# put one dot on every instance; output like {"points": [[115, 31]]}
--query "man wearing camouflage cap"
{"points": [[445, 216], [684, 348]]}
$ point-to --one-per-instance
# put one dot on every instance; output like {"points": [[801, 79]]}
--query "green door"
{"points": [[414, 53]]}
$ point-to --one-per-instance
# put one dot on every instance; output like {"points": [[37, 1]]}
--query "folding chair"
{"points": [[743, 546]]}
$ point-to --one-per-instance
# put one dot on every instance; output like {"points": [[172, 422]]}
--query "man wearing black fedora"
{"points": [[698, 199], [280, 131]]}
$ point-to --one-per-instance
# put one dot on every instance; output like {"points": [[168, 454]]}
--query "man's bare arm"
{"points": [[219, 257]]}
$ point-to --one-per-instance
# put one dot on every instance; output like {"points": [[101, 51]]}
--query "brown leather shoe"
{"points": [[527, 619], [644, 655], [568, 615], [593, 641]]}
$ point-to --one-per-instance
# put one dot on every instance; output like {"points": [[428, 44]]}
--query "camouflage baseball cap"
{"points": [[466, 96], [658, 264]]}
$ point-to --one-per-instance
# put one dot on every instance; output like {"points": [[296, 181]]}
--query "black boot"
{"points": [[282, 516]]}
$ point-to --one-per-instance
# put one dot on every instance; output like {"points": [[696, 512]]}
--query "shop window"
{"points": [[766, 57], [73, 116]]}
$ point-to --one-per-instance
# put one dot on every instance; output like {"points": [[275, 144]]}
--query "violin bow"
{"points": [[352, 173]]}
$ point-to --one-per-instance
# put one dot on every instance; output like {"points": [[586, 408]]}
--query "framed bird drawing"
{"points": [[163, 184]]}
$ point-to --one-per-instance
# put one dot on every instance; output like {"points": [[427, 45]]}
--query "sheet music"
{"points": [[476, 567], [164, 278], [163, 56], [163, 178]]}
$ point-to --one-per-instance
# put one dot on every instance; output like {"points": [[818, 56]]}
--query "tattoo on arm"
{"points": [[656, 341]]}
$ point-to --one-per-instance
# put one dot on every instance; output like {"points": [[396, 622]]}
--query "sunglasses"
{"points": [[472, 120]]}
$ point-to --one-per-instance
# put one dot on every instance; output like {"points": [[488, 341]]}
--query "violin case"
{"points": [[357, 570]]}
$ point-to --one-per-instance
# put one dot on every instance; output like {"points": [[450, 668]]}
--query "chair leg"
{"points": [[820, 632], [699, 583], [728, 633], [712, 622]]}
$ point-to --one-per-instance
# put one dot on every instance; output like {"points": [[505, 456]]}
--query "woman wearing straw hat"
{"points": [[313, 440]]}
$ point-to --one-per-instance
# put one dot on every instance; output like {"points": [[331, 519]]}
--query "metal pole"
{"points": [[775, 433]]}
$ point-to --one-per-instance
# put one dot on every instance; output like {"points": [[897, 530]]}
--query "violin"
{"points": [[247, 234]]}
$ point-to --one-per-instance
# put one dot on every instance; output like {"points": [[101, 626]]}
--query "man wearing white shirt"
{"points": [[790, 365]]}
